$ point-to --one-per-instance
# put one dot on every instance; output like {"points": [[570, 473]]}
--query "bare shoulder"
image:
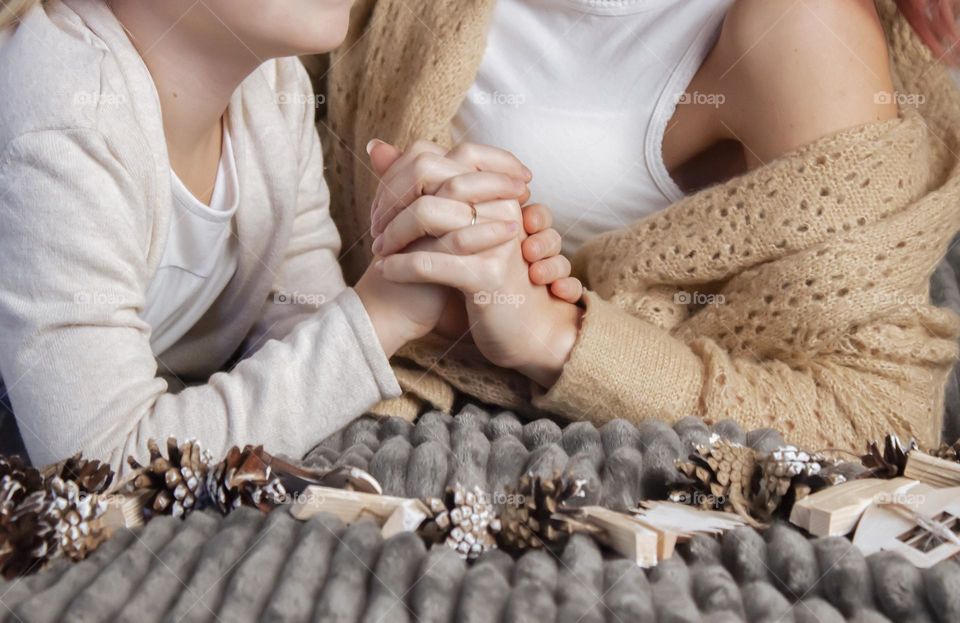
{"points": [[797, 70]]}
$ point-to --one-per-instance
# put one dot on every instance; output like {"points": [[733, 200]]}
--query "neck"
{"points": [[195, 73]]}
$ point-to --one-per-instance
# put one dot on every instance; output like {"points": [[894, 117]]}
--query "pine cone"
{"points": [[76, 516], [539, 512], [949, 452], [789, 475], [465, 521], [28, 536], [30, 479], [175, 485], [91, 476], [889, 462], [245, 477], [722, 476]]}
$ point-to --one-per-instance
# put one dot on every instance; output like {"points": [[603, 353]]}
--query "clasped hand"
{"points": [[453, 220]]}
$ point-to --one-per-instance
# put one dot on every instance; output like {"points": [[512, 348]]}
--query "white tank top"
{"points": [[582, 91], [200, 256]]}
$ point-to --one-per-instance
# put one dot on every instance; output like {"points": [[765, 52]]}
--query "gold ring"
{"points": [[473, 221]]}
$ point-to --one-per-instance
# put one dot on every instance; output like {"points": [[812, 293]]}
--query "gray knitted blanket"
{"points": [[251, 567], [621, 463]]}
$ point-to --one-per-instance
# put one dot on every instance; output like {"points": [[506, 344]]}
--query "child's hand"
{"points": [[468, 174], [542, 251]]}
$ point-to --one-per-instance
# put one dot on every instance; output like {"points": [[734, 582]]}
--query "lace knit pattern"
{"points": [[818, 265]]}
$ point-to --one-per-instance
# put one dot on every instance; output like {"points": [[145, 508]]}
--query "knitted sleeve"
{"points": [[888, 379], [810, 312]]}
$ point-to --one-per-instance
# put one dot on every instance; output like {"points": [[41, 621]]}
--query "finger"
{"points": [[536, 217], [423, 175], [400, 165], [549, 270], [435, 217], [427, 216], [389, 210], [502, 209], [524, 196], [478, 238], [541, 245], [382, 155], [456, 271], [568, 289], [488, 158], [481, 186]]}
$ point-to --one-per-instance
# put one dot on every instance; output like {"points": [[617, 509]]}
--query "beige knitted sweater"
{"points": [[822, 258]]}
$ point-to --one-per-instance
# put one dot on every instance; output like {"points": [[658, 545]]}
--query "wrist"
{"points": [[389, 325], [558, 342]]}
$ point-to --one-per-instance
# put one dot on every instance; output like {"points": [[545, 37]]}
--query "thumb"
{"points": [[382, 155]]}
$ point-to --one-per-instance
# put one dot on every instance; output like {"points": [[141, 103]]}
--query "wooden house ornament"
{"points": [[922, 525]]}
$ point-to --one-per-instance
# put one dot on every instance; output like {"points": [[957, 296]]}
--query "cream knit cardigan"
{"points": [[85, 208], [822, 258]]}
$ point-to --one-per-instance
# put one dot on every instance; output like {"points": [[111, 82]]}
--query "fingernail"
{"points": [[378, 266], [373, 143], [528, 174], [378, 245]]}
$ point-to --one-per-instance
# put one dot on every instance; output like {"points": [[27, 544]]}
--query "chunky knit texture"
{"points": [[822, 258], [251, 567], [618, 463]]}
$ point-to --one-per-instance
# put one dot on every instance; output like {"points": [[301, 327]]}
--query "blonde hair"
{"points": [[11, 10]]}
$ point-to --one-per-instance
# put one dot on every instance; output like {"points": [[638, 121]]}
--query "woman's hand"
{"points": [[427, 179], [514, 322], [468, 173]]}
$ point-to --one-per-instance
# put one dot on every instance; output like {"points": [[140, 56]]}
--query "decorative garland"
{"points": [[63, 510], [760, 487], [756, 486]]}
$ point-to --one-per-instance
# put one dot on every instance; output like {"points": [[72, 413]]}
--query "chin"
{"points": [[286, 27], [320, 37]]}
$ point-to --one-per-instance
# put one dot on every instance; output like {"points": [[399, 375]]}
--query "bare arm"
{"points": [[793, 72]]}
